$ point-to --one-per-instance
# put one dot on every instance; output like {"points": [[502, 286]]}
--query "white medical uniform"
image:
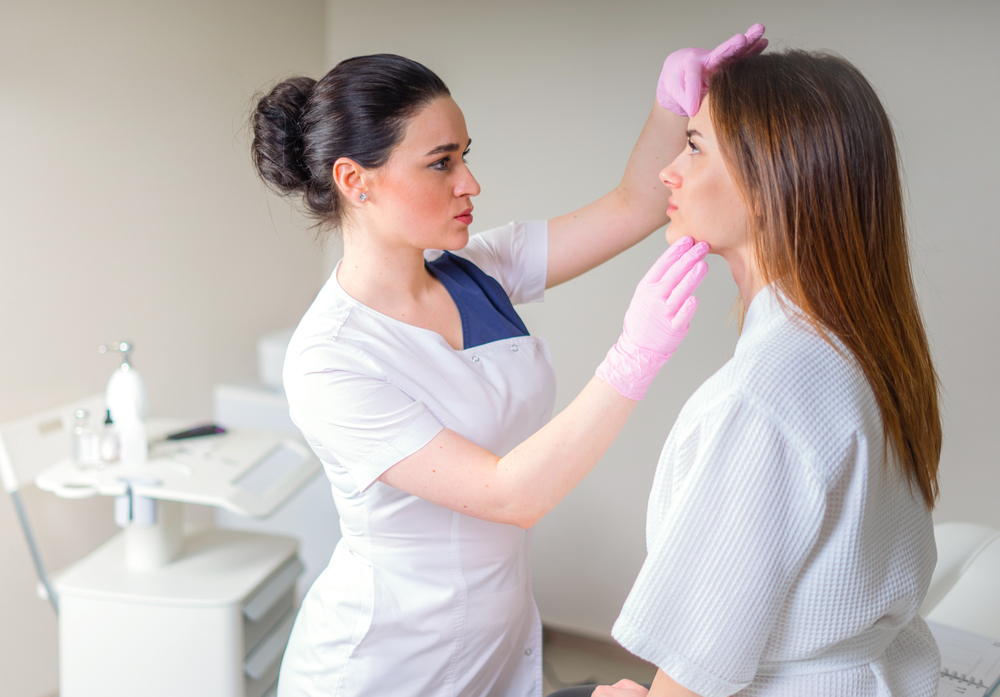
{"points": [[417, 600], [785, 557]]}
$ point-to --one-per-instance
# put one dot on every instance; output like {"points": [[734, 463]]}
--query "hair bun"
{"points": [[277, 147]]}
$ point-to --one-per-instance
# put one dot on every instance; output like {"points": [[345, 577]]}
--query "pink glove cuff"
{"points": [[630, 371]]}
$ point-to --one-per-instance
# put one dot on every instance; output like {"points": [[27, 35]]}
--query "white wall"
{"points": [[129, 210], [554, 94]]}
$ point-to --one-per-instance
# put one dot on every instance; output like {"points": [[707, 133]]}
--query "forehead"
{"points": [[439, 123], [702, 121]]}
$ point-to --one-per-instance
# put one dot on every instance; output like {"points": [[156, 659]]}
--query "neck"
{"points": [[380, 273], [745, 273]]}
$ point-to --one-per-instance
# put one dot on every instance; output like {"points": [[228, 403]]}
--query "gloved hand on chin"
{"points": [[657, 319]]}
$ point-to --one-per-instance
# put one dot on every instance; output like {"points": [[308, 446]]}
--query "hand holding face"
{"points": [[657, 319], [683, 80]]}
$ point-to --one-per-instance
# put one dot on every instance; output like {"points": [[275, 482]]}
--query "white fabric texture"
{"points": [[417, 599], [785, 557]]}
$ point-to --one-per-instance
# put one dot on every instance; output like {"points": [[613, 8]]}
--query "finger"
{"points": [[682, 320], [758, 46], [667, 259], [627, 684], [609, 691], [725, 51], [754, 33], [679, 269], [684, 290]]}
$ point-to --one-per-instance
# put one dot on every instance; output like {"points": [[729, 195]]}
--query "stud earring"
{"points": [[364, 197]]}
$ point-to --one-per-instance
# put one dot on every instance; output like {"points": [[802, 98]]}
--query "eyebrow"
{"points": [[694, 133], [449, 147]]}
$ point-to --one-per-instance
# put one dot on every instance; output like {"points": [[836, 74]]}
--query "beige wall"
{"points": [[129, 210], [555, 92]]}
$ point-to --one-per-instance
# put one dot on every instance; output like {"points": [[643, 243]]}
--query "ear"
{"points": [[350, 177]]}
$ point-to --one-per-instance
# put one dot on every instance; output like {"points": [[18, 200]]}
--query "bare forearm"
{"points": [[521, 487], [585, 238], [663, 137], [537, 474]]}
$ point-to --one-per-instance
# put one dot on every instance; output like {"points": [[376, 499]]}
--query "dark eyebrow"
{"points": [[694, 133], [449, 147]]}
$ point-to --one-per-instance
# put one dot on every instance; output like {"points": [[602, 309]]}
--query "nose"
{"points": [[467, 185], [671, 174]]}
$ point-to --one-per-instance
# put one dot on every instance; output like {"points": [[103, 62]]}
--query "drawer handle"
{"points": [[269, 651], [269, 595]]}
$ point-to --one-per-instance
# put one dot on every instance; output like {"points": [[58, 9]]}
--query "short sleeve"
{"points": [[355, 417], [516, 255], [735, 536]]}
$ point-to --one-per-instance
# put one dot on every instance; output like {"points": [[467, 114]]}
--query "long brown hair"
{"points": [[812, 152]]}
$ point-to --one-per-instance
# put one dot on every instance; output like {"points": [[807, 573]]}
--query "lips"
{"points": [[466, 217]]}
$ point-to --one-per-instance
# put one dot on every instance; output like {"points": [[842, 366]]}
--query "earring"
{"points": [[364, 197]]}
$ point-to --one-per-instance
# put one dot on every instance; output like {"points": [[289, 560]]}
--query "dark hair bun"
{"points": [[359, 110], [277, 147]]}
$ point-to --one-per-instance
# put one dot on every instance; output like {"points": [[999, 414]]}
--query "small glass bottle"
{"points": [[109, 440], [86, 443]]}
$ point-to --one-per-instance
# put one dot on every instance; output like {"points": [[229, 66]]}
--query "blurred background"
{"points": [[129, 210]]}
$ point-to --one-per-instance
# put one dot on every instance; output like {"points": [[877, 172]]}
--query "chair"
{"points": [[965, 587], [29, 445]]}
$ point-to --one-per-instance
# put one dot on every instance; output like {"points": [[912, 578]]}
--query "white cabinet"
{"points": [[214, 622]]}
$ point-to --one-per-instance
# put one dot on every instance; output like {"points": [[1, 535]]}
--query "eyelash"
{"points": [[694, 148], [443, 163]]}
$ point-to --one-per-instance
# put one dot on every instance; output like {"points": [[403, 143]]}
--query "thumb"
{"points": [[692, 82]]}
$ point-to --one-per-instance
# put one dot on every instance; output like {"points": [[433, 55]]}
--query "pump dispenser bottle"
{"points": [[126, 400]]}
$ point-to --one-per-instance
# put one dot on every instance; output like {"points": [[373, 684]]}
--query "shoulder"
{"points": [[322, 341], [515, 255], [811, 389], [506, 240]]}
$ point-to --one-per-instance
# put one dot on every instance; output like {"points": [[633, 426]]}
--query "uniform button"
{"points": [[527, 652], [475, 359], [514, 348]]}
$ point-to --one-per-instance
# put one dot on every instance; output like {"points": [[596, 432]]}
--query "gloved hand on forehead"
{"points": [[684, 79]]}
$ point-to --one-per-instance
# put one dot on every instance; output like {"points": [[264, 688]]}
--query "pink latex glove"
{"points": [[683, 80], [657, 319]]}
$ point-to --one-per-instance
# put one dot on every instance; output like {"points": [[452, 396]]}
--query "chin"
{"points": [[673, 232], [457, 241]]}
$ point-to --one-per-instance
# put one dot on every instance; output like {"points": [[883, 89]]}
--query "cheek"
{"points": [[412, 198]]}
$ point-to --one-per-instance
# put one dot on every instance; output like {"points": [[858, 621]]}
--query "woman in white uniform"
{"points": [[416, 383], [789, 533]]}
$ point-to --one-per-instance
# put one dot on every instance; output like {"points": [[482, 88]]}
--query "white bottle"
{"points": [[126, 399], [133, 441]]}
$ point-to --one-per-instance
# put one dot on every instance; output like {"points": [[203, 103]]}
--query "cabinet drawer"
{"points": [[269, 604], [261, 666]]}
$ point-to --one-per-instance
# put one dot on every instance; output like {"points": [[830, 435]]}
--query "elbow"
{"points": [[526, 523], [524, 518], [513, 513]]}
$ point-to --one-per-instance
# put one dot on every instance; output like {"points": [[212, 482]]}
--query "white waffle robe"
{"points": [[785, 557], [417, 600]]}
